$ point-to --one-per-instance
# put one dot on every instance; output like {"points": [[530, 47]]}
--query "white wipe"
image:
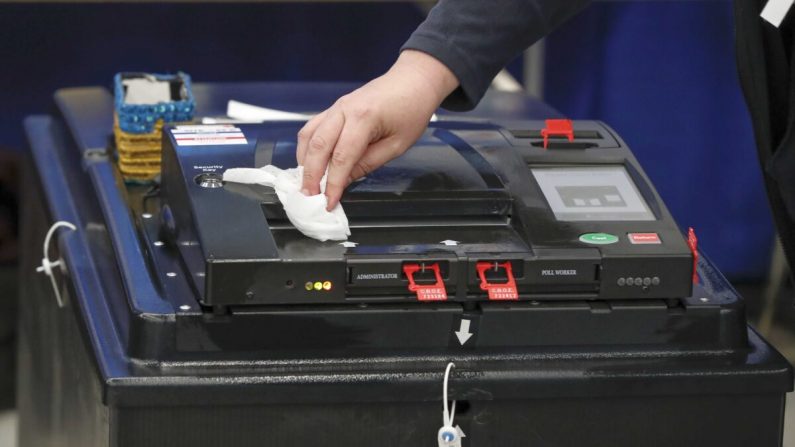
{"points": [[307, 213], [775, 11]]}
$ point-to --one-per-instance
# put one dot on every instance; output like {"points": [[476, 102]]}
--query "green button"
{"points": [[598, 238]]}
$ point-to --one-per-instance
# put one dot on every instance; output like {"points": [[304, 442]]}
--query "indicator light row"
{"points": [[318, 285]]}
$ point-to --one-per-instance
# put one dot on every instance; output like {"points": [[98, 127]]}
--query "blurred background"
{"points": [[661, 73]]}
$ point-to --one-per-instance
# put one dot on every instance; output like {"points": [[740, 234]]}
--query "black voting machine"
{"points": [[574, 308]]}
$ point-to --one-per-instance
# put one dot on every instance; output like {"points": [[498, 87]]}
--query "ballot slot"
{"points": [[582, 138], [536, 134]]}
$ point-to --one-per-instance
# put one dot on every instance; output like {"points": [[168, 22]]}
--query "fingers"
{"points": [[350, 147], [305, 134], [318, 150], [377, 155]]}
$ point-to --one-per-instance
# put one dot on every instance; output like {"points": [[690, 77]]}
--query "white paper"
{"points": [[776, 10], [146, 91], [247, 112]]}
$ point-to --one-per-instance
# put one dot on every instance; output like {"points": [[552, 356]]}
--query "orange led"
{"points": [[327, 285]]}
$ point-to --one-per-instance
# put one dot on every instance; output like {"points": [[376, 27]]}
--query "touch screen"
{"points": [[585, 193]]}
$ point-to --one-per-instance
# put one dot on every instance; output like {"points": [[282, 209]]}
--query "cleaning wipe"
{"points": [[307, 213]]}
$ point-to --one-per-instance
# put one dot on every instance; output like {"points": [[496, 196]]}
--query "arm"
{"points": [[449, 60], [477, 38]]}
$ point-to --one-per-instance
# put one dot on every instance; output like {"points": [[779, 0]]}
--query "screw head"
{"points": [[184, 307], [146, 215], [159, 243], [171, 274]]}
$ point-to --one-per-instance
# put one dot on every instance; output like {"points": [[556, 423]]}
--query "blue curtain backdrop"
{"points": [[49, 46], [663, 75]]}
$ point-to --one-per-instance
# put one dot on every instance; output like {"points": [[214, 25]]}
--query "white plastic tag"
{"points": [[449, 437], [775, 11]]}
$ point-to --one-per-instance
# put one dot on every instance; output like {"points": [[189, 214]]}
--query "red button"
{"points": [[644, 238]]}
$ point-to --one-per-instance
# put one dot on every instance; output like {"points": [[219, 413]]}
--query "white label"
{"points": [[215, 135], [775, 11]]}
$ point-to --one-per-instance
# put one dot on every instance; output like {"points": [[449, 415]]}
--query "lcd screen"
{"points": [[585, 193]]}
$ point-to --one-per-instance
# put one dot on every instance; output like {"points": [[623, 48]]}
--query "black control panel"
{"points": [[472, 212]]}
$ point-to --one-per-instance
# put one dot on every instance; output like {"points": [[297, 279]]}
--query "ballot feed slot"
{"points": [[583, 139], [536, 134], [482, 206]]}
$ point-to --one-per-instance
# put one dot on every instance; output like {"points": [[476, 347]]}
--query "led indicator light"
{"points": [[318, 285], [327, 285], [308, 285]]}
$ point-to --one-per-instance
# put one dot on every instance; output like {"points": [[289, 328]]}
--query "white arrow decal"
{"points": [[463, 333], [348, 244], [461, 433], [449, 242]]}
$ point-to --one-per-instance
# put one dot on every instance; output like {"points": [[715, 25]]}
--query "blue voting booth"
{"points": [[663, 74]]}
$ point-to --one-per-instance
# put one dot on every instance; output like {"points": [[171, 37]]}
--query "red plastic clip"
{"points": [[557, 128], [498, 292], [692, 242], [426, 292]]}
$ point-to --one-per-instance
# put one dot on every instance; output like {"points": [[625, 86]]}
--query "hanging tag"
{"points": [[429, 292], [449, 437], [775, 11], [47, 266], [505, 291]]}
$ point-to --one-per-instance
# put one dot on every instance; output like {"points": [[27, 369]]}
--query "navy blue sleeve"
{"points": [[476, 38]]}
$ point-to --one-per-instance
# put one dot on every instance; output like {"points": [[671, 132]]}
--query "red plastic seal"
{"points": [[498, 292], [692, 242], [557, 128], [426, 292]]}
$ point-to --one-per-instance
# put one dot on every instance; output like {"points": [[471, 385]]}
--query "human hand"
{"points": [[373, 124]]}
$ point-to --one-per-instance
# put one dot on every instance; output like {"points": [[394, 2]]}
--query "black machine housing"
{"points": [[562, 217]]}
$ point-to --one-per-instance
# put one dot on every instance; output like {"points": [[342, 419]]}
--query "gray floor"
{"points": [[8, 429]]}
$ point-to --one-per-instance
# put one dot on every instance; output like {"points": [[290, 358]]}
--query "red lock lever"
{"points": [[557, 128], [426, 292], [498, 292], [692, 242]]}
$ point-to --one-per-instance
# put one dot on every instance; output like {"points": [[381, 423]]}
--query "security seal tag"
{"points": [[449, 437]]}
